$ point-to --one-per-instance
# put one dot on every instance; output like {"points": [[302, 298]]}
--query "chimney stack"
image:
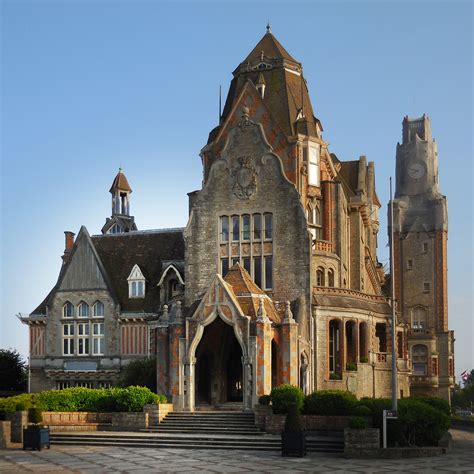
{"points": [[68, 245]]}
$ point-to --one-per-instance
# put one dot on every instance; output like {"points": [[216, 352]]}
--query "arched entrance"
{"points": [[219, 373]]}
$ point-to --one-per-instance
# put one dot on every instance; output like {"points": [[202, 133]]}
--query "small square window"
{"points": [[409, 264], [425, 247], [426, 287]]}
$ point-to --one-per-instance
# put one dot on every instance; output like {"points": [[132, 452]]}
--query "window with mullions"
{"points": [[83, 310], [68, 339], [83, 338], [98, 338], [248, 240]]}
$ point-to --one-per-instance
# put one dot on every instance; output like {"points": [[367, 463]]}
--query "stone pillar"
{"points": [[176, 333], [289, 348], [249, 388], [163, 354], [5, 434], [264, 352], [190, 383]]}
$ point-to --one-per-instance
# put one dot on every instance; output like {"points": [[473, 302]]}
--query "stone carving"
{"points": [[245, 178]]}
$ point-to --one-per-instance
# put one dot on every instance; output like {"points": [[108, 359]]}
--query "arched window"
{"points": [[331, 278], [363, 352], [68, 310], [320, 277], [98, 309], [420, 359], [83, 310], [419, 319], [334, 346]]}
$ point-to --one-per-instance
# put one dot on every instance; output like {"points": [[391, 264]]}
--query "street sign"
{"points": [[392, 414]]}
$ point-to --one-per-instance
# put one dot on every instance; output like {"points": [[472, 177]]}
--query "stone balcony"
{"points": [[322, 246]]}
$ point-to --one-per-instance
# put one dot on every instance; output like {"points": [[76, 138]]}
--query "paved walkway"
{"points": [[136, 460]]}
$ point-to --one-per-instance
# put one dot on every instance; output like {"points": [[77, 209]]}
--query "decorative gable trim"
{"points": [[170, 267], [135, 274]]}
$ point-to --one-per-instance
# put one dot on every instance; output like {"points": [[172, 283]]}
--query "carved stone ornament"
{"points": [[245, 178]]}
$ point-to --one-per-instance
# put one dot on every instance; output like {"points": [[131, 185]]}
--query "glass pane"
{"points": [[65, 346], [95, 347], [246, 261], [224, 229], [268, 273], [65, 330], [99, 309], [140, 289], [86, 346], [246, 227], [234, 261], [101, 345], [224, 266], [134, 288], [257, 226], [80, 346], [235, 228], [86, 329], [268, 226], [257, 271]]}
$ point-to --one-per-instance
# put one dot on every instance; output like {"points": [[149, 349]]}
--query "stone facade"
{"points": [[274, 279]]}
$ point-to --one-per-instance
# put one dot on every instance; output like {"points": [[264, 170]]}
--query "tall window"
{"points": [[331, 278], [320, 277], [98, 310], [420, 359], [313, 215], [334, 345], [68, 339], [97, 338], [68, 310], [83, 310], [419, 319], [250, 244], [138, 289], [313, 165], [83, 338], [77, 338]]}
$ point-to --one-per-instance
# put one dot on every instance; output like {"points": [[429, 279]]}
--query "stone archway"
{"points": [[219, 371]]}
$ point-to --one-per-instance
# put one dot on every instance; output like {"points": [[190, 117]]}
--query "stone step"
{"points": [[236, 424], [202, 430], [262, 443]]}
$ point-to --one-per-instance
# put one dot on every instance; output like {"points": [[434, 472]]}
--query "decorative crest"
{"points": [[245, 178]]}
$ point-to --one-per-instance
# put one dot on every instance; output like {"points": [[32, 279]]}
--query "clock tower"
{"points": [[420, 246]]}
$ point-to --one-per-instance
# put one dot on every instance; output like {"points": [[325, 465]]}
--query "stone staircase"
{"points": [[199, 430]]}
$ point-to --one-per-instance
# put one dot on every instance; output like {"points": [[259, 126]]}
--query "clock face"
{"points": [[416, 170]]}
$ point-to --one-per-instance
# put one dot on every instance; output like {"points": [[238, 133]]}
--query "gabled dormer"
{"points": [[121, 220], [136, 283]]}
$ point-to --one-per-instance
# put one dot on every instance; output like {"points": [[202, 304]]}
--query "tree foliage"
{"points": [[13, 371], [141, 372]]}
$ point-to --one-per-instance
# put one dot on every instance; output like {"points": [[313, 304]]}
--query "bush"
{"points": [[418, 424], [293, 420], [361, 410], [351, 366], [85, 399], [364, 360], [35, 416], [335, 376], [265, 400], [358, 423], [286, 395], [330, 402], [435, 402]]}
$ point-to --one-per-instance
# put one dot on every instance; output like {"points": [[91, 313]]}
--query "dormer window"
{"points": [[136, 283], [116, 229]]}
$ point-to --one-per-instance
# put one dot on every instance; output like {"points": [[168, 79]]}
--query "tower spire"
{"points": [[269, 27]]}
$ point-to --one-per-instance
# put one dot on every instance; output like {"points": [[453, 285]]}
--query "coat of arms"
{"points": [[245, 179]]}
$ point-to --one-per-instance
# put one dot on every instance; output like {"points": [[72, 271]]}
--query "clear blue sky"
{"points": [[88, 86]]}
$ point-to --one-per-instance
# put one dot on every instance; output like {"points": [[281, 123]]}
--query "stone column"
{"points": [[248, 383], [289, 348], [176, 333], [190, 383], [163, 354], [264, 352]]}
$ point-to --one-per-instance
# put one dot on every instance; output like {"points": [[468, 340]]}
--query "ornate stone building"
{"points": [[275, 278]]}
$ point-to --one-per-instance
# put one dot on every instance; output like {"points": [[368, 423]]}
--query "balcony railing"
{"points": [[322, 246]]}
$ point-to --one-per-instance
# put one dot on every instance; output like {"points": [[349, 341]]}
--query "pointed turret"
{"points": [[121, 221]]}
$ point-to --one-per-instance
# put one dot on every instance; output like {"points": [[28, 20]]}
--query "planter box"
{"points": [[293, 444], [36, 438]]}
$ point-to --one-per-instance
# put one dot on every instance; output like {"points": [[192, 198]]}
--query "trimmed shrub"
{"points": [[284, 396], [293, 420], [35, 416], [330, 402], [335, 376], [85, 399], [361, 410], [358, 423], [364, 360], [351, 366], [376, 407], [265, 400]]}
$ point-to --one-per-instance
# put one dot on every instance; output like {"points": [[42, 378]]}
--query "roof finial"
{"points": [[269, 28]]}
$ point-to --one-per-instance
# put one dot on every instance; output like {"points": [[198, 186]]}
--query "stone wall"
{"points": [[368, 438], [156, 413], [132, 421]]}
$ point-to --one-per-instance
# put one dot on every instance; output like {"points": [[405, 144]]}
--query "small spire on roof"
{"points": [[269, 28]]}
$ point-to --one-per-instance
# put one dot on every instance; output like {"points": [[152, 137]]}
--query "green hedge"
{"points": [[330, 402], [85, 399], [286, 395]]}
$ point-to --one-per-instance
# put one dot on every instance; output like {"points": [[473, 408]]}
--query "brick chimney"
{"points": [[68, 244]]}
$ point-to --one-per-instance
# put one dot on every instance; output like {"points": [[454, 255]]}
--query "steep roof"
{"points": [[248, 294], [147, 249], [120, 182], [271, 47]]}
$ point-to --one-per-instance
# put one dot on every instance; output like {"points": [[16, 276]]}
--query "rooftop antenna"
{"points": [[220, 104]]}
